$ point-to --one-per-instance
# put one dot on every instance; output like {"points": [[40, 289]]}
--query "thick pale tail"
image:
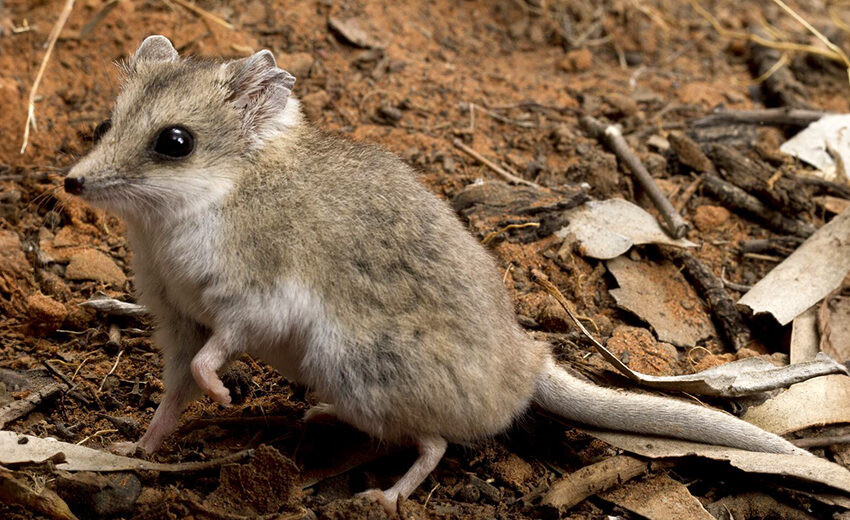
{"points": [[576, 400]]}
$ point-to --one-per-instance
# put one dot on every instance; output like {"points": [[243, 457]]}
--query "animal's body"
{"points": [[254, 232]]}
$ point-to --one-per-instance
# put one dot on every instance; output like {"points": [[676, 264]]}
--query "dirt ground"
{"points": [[509, 78]]}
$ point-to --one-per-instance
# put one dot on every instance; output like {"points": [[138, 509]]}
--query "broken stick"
{"points": [[508, 176], [612, 137], [712, 289], [785, 116], [739, 199], [21, 407]]}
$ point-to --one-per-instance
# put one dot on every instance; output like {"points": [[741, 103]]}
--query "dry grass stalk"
{"points": [[832, 52], [51, 42]]}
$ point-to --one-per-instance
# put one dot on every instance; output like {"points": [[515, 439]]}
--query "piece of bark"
{"points": [[777, 246], [595, 478], [780, 87], [17, 488], [529, 213], [689, 153], [756, 178], [738, 199], [711, 288], [21, 407]]}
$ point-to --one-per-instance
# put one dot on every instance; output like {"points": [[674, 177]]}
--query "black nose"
{"points": [[74, 185]]}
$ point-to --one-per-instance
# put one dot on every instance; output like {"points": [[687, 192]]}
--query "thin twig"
{"points": [[711, 289], [510, 177], [99, 433], [117, 359], [768, 116], [493, 234], [819, 442], [686, 195], [613, 139], [831, 46], [51, 42], [764, 42]]}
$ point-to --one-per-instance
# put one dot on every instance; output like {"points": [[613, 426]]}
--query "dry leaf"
{"points": [[816, 402], [743, 377], [660, 295], [658, 498], [818, 144], [814, 270], [608, 228]]}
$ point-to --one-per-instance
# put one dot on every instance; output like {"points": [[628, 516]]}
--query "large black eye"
{"points": [[101, 129], [174, 142]]}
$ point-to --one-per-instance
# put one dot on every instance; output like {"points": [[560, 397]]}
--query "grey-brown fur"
{"points": [[395, 268], [327, 259]]}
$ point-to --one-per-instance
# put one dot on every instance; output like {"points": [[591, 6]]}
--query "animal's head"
{"points": [[181, 130]]}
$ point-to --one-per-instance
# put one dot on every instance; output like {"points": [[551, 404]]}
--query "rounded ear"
{"points": [[259, 68], [258, 88], [154, 48]]}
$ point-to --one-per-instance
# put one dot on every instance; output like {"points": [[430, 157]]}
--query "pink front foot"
{"points": [[204, 366], [210, 383]]}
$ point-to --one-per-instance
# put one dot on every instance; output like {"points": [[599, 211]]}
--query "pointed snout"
{"points": [[74, 185]]}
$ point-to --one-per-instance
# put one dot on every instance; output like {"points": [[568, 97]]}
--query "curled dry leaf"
{"points": [[811, 272], [821, 143], [608, 228], [743, 377], [809, 469]]}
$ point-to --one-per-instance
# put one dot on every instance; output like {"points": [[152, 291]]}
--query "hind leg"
{"points": [[431, 450]]}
